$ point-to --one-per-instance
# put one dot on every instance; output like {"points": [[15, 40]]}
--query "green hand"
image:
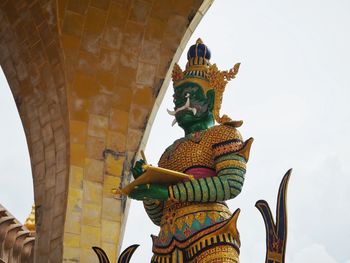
{"points": [[137, 170], [150, 191]]}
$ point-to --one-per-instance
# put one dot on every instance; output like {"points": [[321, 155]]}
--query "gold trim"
{"points": [[220, 253], [171, 193], [230, 163]]}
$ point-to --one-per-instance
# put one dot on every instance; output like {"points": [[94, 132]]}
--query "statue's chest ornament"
{"points": [[195, 137]]}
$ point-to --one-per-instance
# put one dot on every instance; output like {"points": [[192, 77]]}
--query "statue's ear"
{"points": [[211, 98]]}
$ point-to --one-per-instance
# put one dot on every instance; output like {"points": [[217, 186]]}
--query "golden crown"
{"points": [[208, 76]]}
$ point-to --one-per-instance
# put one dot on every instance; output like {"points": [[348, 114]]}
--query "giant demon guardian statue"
{"points": [[185, 195], [195, 223]]}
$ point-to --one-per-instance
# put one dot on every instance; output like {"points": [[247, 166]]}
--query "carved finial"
{"points": [[30, 222], [199, 41]]}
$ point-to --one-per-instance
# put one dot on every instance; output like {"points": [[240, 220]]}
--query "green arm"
{"points": [[154, 210], [227, 184]]}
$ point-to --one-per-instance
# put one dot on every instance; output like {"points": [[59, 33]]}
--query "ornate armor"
{"points": [[196, 217]]}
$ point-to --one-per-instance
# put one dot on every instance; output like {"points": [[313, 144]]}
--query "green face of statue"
{"points": [[193, 109]]}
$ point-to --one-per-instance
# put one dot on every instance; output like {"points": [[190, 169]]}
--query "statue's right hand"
{"points": [[137, 170]]}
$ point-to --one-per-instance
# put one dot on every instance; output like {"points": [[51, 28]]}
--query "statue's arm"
{"points": [[154, 210], [227, 184]]}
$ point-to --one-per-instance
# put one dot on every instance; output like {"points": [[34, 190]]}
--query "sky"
{"points": [[292, 92], [16, 183]]}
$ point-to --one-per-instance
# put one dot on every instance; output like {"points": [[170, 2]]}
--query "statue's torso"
{"points": [[193, 155], [195, 150]]}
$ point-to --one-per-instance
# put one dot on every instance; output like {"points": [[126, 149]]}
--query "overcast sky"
{"points": [[292, 92]]}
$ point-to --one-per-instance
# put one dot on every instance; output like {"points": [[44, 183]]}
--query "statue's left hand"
{"points": [[150, 191]]}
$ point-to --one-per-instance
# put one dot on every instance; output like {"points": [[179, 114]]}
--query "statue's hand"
{"points": [[150, 191], [137, 170]]}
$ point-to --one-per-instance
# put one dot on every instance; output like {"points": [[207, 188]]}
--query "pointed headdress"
{"points": [[199, 70]]}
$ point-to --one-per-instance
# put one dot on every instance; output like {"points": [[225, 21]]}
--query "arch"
{"points": [[85, 77]]}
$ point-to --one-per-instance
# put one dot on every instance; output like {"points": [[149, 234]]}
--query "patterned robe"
{"points": [[195, 224]]}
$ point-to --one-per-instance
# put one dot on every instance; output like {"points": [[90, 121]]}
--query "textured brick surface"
{"points": [[34, 66], [87, 78]]}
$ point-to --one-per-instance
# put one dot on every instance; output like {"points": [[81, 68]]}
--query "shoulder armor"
{"points": [[245, 151], [222, 133], [234, 124]]}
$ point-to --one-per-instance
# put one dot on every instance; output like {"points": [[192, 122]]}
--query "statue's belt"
{"points": [[176, 210]]}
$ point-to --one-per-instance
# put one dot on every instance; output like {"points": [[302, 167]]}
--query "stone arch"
{"points": [[32, 64], [87, 78]]}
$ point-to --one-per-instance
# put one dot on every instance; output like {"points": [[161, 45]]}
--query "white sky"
{"points": [[292, 92], [16, 184]]}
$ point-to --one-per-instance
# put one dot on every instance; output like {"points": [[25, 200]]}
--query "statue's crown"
{"points": [[198, 57], [199, 70]]}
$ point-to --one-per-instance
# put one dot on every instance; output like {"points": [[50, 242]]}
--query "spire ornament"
{"points": [[30, 221]]}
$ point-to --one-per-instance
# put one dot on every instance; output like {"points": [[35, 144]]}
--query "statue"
{"points": [[185, 195], [195, 223]]}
